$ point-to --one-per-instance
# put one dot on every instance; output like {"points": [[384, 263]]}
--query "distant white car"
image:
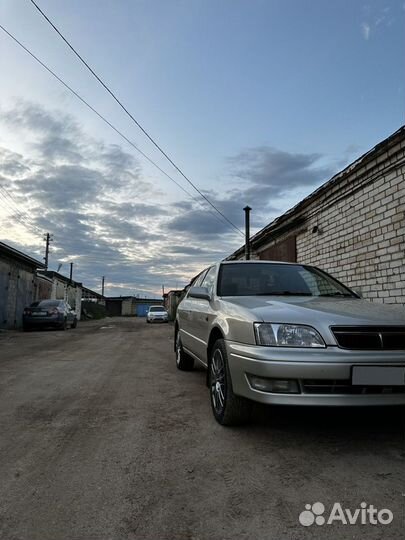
{"points": [[157, 314]]}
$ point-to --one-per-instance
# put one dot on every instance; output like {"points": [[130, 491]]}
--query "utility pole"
{"points": [[247, 210], [71, 272], [48, 238], [163, 291], [102, 285]]}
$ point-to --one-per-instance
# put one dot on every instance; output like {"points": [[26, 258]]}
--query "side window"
{"points": [[199, 279], [209, 280]]}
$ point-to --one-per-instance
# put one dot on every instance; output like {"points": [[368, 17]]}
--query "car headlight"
{"points": [[287, 335]]}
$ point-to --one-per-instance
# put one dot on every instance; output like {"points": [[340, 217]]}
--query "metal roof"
{"points": [[86, 290], [17, 255], [52, 274]]}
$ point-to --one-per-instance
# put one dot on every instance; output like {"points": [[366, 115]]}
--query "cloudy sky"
{"points": [[258, 101]]}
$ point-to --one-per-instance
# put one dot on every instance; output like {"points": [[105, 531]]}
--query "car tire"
{"points": [[26, 328], [228, 408], [63, 326], [74, 323], [184, 362]]}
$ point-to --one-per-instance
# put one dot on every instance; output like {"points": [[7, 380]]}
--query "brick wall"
{"points": [[362, 235], [361, 227]]}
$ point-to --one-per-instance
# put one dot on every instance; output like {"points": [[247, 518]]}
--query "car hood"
{"points": [[319, 312]]}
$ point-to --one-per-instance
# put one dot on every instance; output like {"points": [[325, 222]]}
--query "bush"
{"points": [[92, 310]]}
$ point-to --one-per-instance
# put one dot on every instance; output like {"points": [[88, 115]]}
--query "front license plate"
{"points": [[378, 376], [39, 313]]}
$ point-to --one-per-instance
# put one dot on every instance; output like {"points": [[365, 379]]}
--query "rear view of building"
{"points": [[353, 226], [64, 288]]}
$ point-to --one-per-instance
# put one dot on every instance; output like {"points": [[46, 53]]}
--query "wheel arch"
{"points": [[215, 334]]}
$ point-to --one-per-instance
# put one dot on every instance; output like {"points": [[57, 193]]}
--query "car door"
{"points": [[184, 315], [205, 313], [200, 312]]}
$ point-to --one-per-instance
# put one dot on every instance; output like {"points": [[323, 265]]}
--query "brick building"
{"points": [[352, 226]]}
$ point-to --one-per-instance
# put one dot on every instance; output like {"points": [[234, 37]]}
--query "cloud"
{"points": [[199, 224], [104, 215], [11, 163], [365, 30], [377, 19], [264, 177], [188, 250], [129, 210], [274, 172], [109, 220]]}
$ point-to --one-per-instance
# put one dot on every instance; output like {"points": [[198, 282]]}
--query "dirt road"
{"points": [[102, 438]]}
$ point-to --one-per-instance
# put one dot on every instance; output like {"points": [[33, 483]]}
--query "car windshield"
{"points": [[46, 304], [256, 279], [157, 308]]}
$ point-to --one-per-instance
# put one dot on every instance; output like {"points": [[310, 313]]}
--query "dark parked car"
{"points": [[49, 313]]}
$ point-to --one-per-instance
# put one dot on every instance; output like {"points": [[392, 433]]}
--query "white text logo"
{"points": [[367, 514]]}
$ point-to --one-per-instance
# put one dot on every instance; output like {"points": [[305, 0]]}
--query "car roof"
{"points": [[261, 262]]}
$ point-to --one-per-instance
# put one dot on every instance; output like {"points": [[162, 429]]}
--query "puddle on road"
{"points": [[106, 327]]}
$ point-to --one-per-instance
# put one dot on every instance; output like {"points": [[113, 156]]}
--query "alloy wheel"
{"points": [[217, 379], [178, 349]]}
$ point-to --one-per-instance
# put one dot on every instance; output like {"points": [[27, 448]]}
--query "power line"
{"points": [[19, 216], [112, 94], [12, 205], [87, 104], [15, 215]]}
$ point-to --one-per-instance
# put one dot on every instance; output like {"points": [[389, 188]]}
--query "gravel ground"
{"points": [[102, 438]]}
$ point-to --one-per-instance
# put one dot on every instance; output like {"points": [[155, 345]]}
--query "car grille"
{"points": [[370, 337], [328, 386]]}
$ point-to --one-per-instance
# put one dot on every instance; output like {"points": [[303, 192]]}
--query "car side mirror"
{"points": [[199, 292]]}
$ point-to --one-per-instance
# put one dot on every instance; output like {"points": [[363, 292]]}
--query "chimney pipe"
{"points": [[247, 210]]}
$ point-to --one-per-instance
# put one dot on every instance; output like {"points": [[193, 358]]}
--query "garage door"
{"points": [[4, 281]]}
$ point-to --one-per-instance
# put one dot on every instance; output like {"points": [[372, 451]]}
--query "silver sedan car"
{"points": [[283, 333], [157, 314]]}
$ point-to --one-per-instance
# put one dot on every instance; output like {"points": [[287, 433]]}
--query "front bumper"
{"points": [[329, 364]]}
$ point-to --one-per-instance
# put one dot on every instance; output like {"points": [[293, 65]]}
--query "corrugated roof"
{"points": [[52, 274], [20, 256], [86, 290]]}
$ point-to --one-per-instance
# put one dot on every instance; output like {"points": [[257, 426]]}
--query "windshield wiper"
{"points": [[336, 294], [283, 293]]}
